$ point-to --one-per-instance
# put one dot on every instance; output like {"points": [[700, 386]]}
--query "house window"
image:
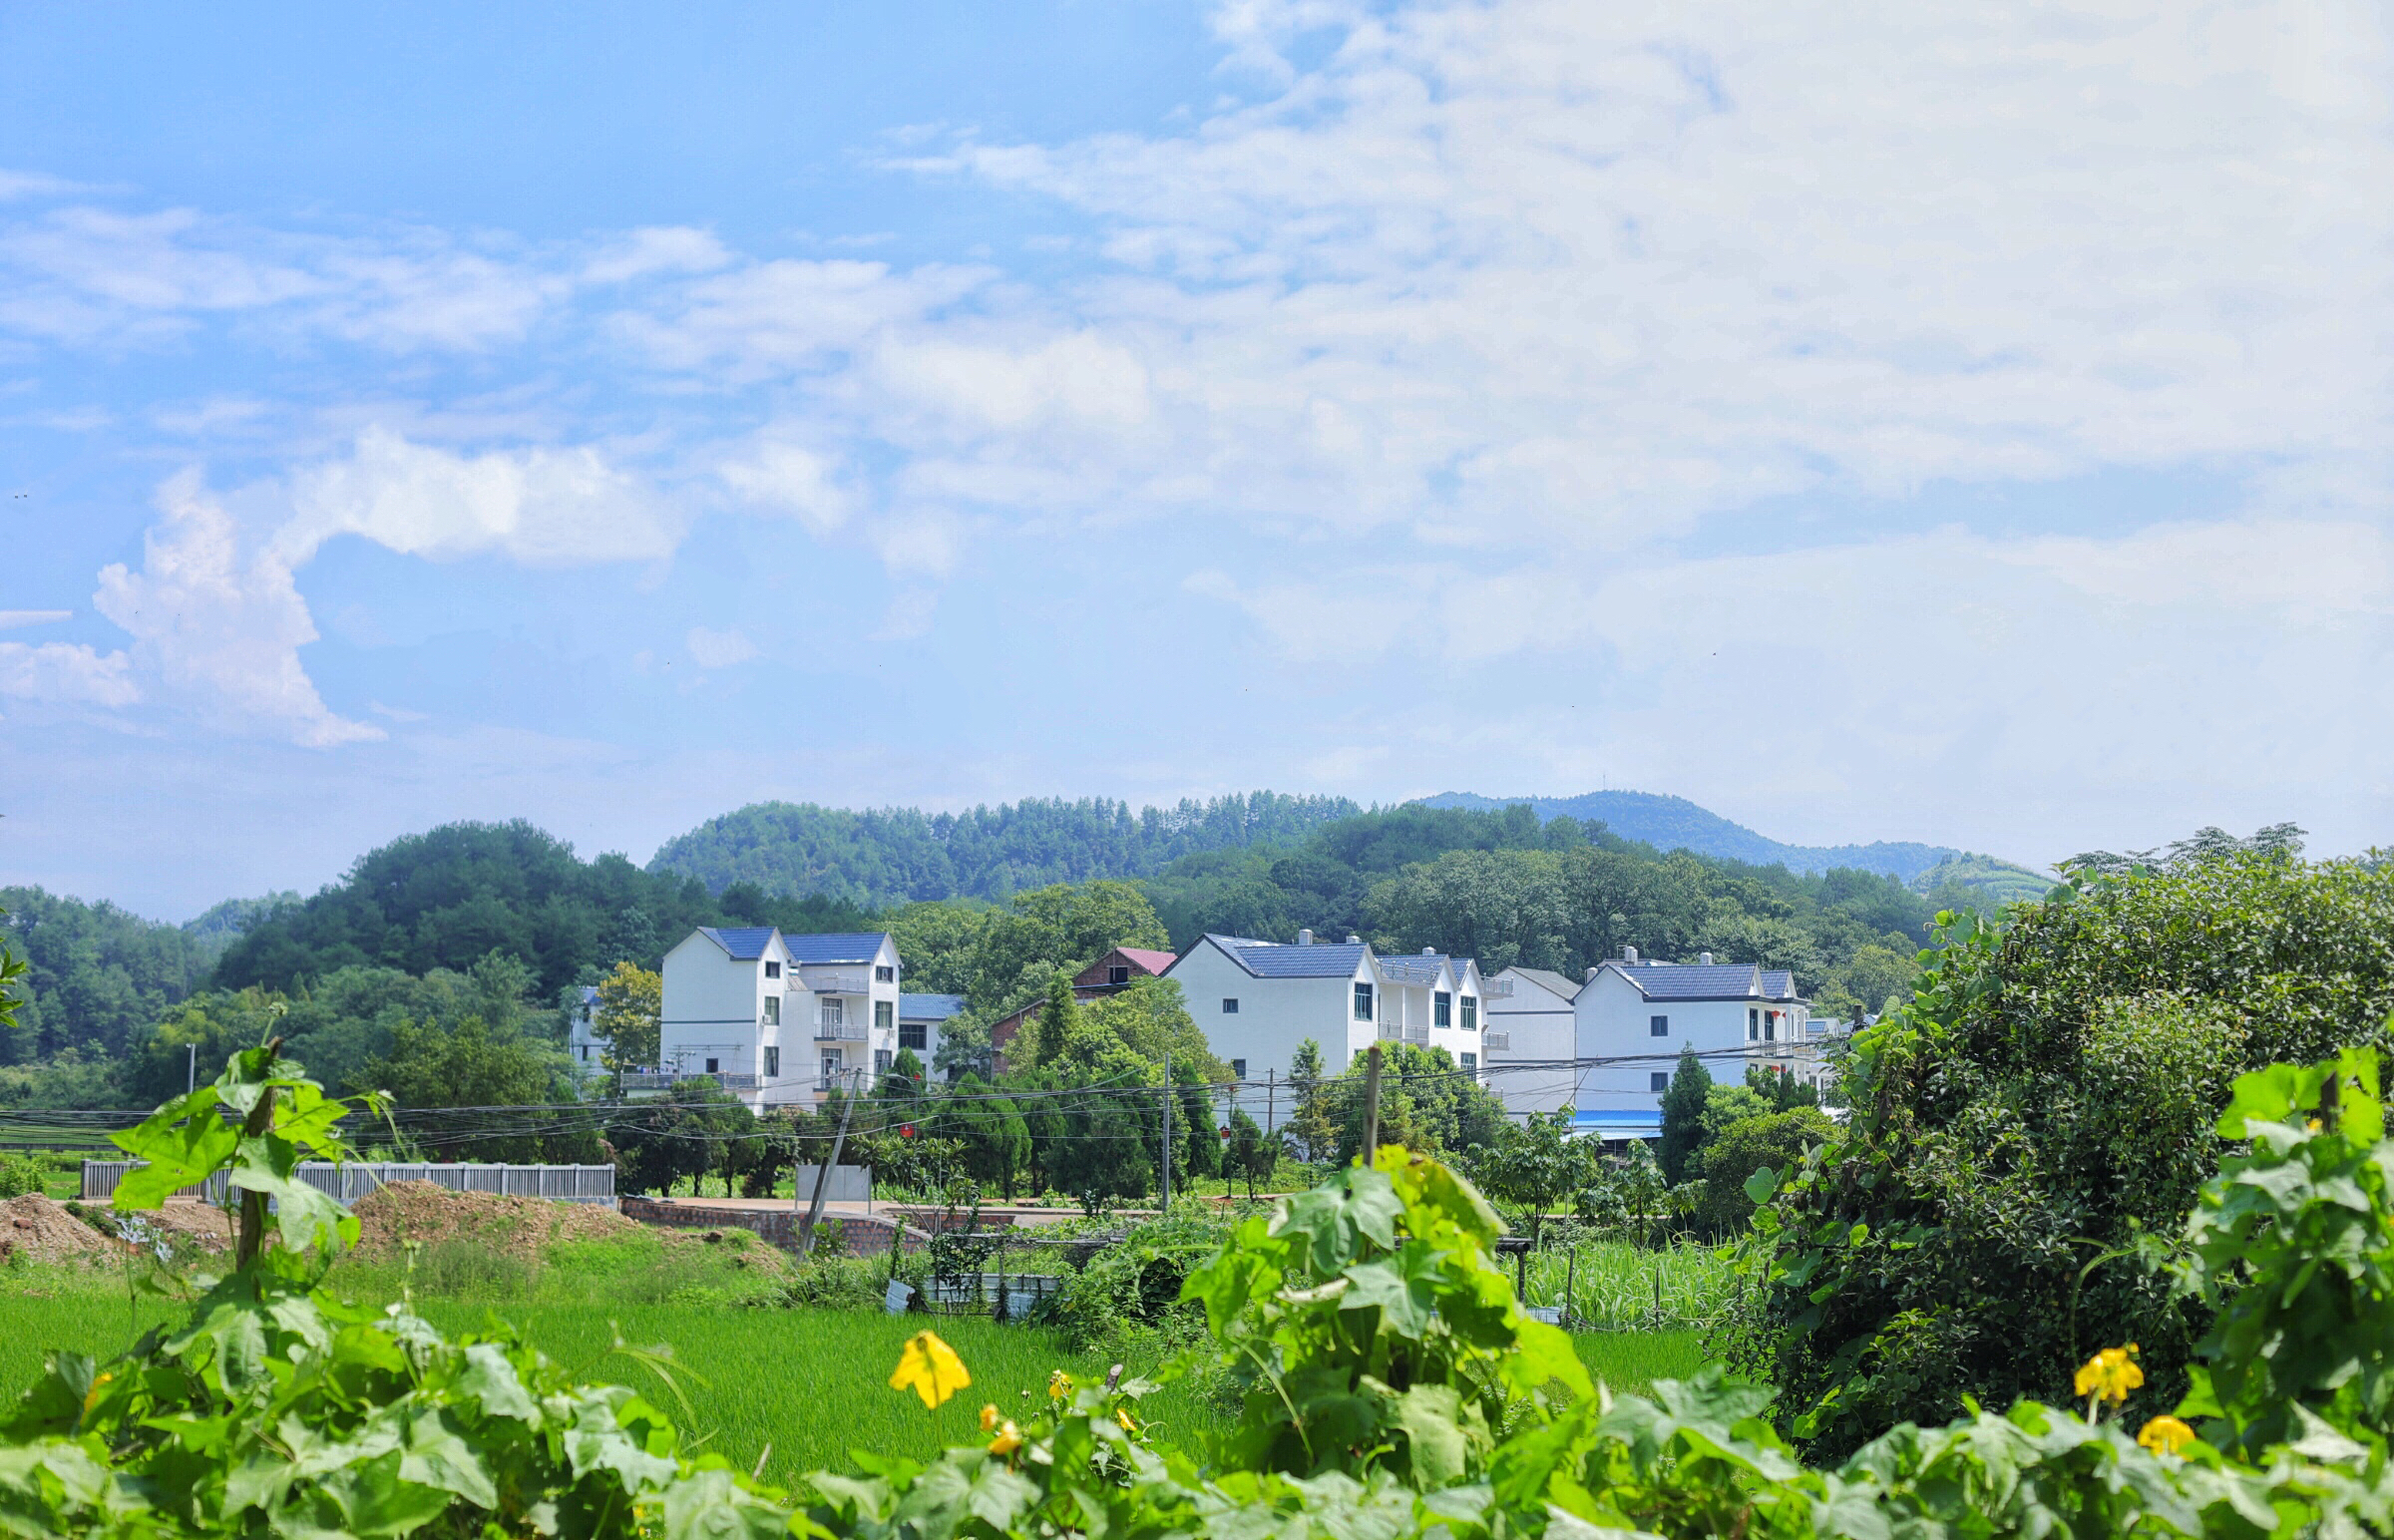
{"points": [[1363, 1003], [1471, 1065], [1442, 1008], [1118, 973], [884, 1016], [881, 1061], [1238, 1070], [772, 970], [772, 1062], [773, 1011], [1754, 1025], [831, 1067], [1230, 1005], [835, 1011], [712, 1066], [1657, 1026], [1470, 1012], [1659, 1081], [886, 974], [1769, 1027], [913, 1034]]}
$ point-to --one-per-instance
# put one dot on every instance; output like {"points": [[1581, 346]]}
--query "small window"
{"points": [[1659, 1081], [1470, 1012], [884, 1016], [773, 1011], [772, 970], [1471, 1064], [772, 1062], [881, 1060], [911, 1034], [1118, 973], [1657, 1026], [1363, 1003], [1754, 1026], [835, 1011], [1230, 1005], [831, 1067], [1769, 1027], [1442, 1008], [886, 974], [1238, 1070], [712, 1066]]}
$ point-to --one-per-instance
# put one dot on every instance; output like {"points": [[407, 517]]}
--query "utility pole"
{"points": [[1271, 1091], [1372, 1107], [1167, 1130], [814, 1210], [190, 1068]]}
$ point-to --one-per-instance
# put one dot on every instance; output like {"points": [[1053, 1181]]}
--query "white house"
{"points": [[1258, 1001], [584, 1045], [1532, 1039], [920, 1019], [777, 1018], [1632, 1017]]}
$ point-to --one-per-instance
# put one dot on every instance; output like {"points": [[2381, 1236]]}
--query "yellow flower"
{"points": [[930, 1368], [988, 1417], [1059, 1386], [1008, 1440], [2165, 1435], [1123, 1418], [2111, 1373]]}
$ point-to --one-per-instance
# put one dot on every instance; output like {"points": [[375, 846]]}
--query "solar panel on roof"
{"points": [[852, 947]]}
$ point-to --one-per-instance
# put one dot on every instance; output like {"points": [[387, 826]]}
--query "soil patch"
{"points": [[186, 1219], [428, 1215], [40, 1229]]}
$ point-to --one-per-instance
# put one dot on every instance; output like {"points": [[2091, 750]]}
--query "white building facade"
{"points": [[584, 1045], [921, 1021], [1257, 1001], [1531, 1041], [1633, 1018], [779, 1018]]}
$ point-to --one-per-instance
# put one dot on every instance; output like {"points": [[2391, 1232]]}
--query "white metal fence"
{"points": [[350, 1182]]}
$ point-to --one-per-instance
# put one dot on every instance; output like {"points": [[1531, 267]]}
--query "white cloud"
{"points": [[221, 629], [63, 672], [718, 649], [541, 506], [791, 477], [10, 619], [658, 248]]}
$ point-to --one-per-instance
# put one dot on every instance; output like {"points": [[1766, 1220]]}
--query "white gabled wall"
{"points": [[714, 1006], [1274, 1016], [1539, 1025], [1614, 1019]]}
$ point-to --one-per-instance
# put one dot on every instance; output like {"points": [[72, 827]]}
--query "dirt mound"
{"points": [[42, 1230], [428, 1215], [186, 1219]]}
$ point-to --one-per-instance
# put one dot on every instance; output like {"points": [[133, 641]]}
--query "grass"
{"points": [[812, 1383], [1617, 1287]]}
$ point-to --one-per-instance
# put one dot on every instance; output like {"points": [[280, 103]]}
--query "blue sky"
{"points": [[1924, 424]]}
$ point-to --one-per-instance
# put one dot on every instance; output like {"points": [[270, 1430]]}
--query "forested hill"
{"points": [[893, 855], [1675, 823]]}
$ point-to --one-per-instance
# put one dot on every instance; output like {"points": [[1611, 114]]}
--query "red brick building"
{"points": [[1107, 975]]}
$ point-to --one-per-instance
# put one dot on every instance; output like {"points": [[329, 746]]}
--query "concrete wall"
{"points": [[1274, 1016], [1539, 1025]]}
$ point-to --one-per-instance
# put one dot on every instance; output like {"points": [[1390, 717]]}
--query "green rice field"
{"points": [[813, 1384]]}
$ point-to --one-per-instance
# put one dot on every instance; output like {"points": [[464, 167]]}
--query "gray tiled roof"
{"points": [[1694, 982], [928, 1007], [745, 942], [1545, 979], [1412, 969], [1777, 985], [853, 946], [1267, 960]]}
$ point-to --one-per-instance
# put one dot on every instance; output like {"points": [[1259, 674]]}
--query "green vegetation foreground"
{"points": [[1391, 1385]]}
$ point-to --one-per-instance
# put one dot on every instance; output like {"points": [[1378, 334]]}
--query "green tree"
{"points": [[1067, 927], [1311, 1127], [2046, 1099], [1254, 1155], [465, 1064], [1682, 1117], [997, 1140], [1045, 1038], [939, 942], [1777, 1140], [1534, 1164], [1152, 1018], [632, 1006], [903, 1085], [1193, 1123]]}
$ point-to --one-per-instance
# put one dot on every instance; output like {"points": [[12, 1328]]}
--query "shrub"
{"points": [[24, 1172], [2031, 1129], [1775, 1140]]}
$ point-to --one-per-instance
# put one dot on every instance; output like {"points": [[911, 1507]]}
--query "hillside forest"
{"points": [[499, 923]]}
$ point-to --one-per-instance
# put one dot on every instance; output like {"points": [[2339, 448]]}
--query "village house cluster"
{"points": [[781, 1020]]}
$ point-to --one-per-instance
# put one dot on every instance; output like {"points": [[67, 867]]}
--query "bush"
{"points": [[1775, 1140], [1127, 1295], [24, 1172], [2031, 1129]]}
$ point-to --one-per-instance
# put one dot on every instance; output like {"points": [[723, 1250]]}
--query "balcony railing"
{"points": [[1496, 989], [1498, 1042], [836, 981], [841, 1032], [1398, 1032]]}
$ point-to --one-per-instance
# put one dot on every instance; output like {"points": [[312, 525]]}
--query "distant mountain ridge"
{"points": [[1675, 823]]}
